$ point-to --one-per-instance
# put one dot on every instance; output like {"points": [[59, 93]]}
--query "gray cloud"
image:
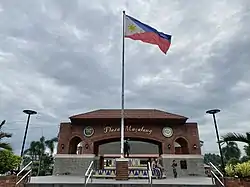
{"points": [[62, 58]]}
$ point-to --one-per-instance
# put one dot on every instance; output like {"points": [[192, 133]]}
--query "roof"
{"points": [[129, 114]]}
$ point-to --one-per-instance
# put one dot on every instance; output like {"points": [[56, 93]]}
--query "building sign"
{"points": [[128, 128], [88, 131]]}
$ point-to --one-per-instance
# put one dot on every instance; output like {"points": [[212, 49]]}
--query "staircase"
{"points": [[90, 180]]}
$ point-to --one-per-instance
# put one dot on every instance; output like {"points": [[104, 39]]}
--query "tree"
{"points": [[233, 161], [231, 150], [8, 161], [213, 158], [51, 144], [237, 137], [4, 145], [42, 161], [246, 148], [244, 159]]}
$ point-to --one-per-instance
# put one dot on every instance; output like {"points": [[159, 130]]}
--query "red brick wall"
{"points": [[187, 131], [231, 182], [9, 181]]}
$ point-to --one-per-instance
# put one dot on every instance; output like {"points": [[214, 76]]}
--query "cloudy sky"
{"points": [[62, 57]]}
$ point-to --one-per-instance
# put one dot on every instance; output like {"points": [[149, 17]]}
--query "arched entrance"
{"points": [[181, 146], [138, 146], [75, 145]]}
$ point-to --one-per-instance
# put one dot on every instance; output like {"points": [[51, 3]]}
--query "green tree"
{"points": [[214, 158], [4, 145], [244, 159], [237, 137], [51, 144], [8, 161], [233, 161], [231, 150], [42, 161]]}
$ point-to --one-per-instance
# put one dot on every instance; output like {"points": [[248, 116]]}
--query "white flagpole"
{"points": [[122, 95]]}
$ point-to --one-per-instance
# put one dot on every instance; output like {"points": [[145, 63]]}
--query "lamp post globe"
{"points": [[213, 111], [29, 112]]}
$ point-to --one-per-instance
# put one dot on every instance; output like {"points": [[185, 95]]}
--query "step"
{"points": [[75, 181]]}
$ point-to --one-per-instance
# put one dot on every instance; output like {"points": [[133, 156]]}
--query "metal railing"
{"points": [[150, 174], [215, 176], [88, 174], [27, 174]]}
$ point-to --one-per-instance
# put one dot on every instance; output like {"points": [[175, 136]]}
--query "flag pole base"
{"points": [[122, 168]]}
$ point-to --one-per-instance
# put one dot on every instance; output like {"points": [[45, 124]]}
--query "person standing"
{"points": [[174, 165], [126, 149]]}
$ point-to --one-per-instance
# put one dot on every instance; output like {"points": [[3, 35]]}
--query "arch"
{"points": [[73, 143], [181, 146], [99, 142]]}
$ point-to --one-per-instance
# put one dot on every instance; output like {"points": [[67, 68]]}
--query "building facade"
{"points": [[175, 138]]}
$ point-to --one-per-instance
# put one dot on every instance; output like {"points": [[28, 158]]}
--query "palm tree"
{"points": [[51, 144], [4, 145], [237, 137], [42, 161], [231, 150]]}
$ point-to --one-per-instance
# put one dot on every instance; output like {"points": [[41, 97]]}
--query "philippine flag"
{"points": [[137, 30]]}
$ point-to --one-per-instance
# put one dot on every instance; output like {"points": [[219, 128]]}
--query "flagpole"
{"points": [[122, 94]]}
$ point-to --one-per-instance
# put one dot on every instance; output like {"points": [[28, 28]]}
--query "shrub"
{"points": [[230, 170], [243, 169]]}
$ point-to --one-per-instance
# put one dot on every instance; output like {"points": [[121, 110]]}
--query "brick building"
{"points": [[175, 138]]}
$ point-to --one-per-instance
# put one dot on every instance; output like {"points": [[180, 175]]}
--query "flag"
{"points": [[136, 30]]}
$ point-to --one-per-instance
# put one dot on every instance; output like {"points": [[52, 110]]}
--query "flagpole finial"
{"points": [[123, 11]]}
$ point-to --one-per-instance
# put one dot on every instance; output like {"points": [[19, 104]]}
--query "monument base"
{"points": [[72, 164], [187, 165], [122, 169]]}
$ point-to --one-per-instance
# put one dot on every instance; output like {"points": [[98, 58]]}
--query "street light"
{"points": [[213, 112], [29, 112]]}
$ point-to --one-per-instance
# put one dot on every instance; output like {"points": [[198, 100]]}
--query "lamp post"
{"points": [[213, 112], [29, 113]]}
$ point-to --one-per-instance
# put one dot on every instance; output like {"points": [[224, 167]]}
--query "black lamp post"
{"points": [[213, 112], [29, 112]]}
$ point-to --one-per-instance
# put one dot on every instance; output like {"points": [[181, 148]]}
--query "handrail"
{"points": [[26, 174], [88, 174], [150, 174], [24, 168], [20, 180], [90, 165], [216, 169], [212, 166], [215, 176]]}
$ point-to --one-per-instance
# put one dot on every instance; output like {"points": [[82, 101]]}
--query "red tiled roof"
{"points": [[129, 114]]}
